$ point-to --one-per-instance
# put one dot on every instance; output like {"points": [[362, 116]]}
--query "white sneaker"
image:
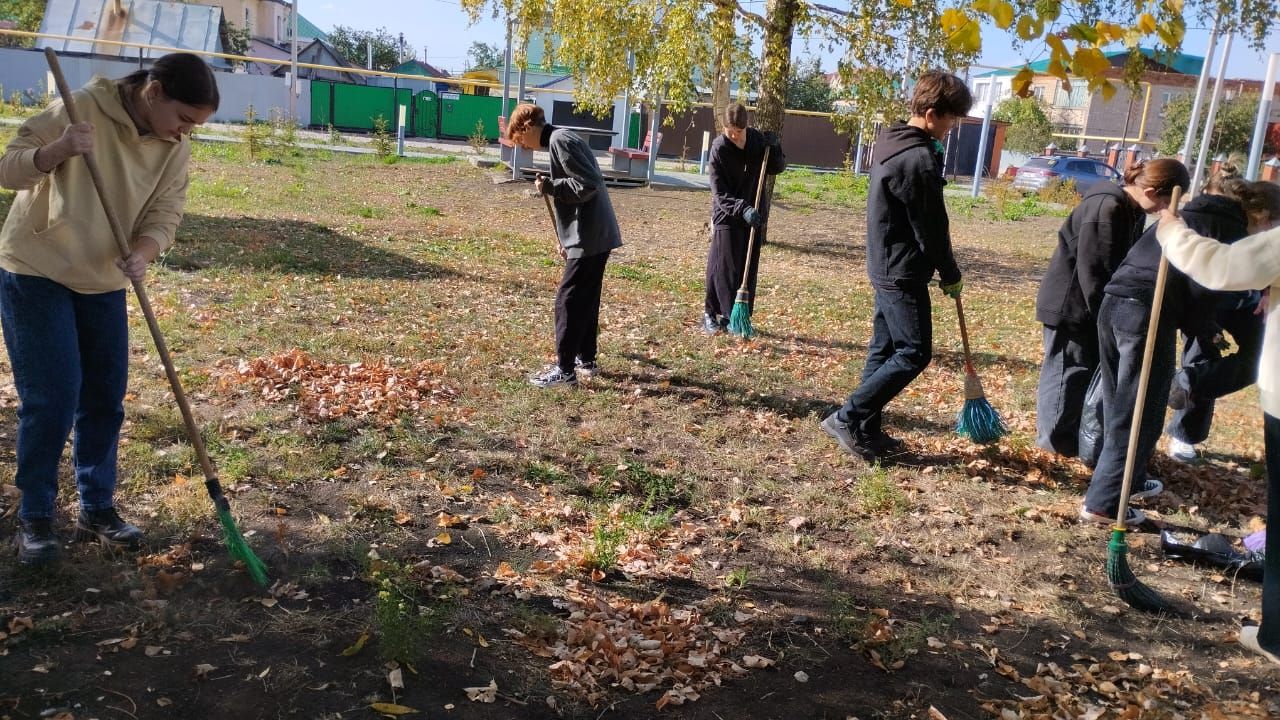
{"points": [[553, 376], [1132, 518], [1249, 639], [1182, 452], [1151, 487]]}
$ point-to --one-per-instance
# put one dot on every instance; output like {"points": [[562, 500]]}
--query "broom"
{"points": [[235, 542], [740, 316], [1126, 585], [978, 420]]}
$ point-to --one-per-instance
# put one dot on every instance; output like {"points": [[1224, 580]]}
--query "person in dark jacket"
{"points": [[908, 242], [1207, 374], [736, 160], [1092, 243], [587, 231]]}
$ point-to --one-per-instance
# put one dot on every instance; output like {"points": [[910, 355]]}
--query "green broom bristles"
{"points": [[1126, 585], [978, 420], [237, 546], [740, 316]]}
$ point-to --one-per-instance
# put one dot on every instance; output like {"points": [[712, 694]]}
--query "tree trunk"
{"points": [[723, 36], [780, 20]]}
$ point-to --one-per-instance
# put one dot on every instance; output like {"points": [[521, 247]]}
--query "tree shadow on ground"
{"points": [[288, 246]]}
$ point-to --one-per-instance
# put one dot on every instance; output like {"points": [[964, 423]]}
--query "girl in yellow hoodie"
{"points": [[62, 280]]}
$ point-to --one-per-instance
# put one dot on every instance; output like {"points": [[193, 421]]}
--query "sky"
{"points": [[443, 31]]}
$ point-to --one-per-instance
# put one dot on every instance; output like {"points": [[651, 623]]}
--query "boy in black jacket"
{"points": [[908, 240], [736, 159], [587, 231]]}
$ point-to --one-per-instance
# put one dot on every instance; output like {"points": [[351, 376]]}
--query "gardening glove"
{"points": [[953, 290], [771, 139], [753, 217]]}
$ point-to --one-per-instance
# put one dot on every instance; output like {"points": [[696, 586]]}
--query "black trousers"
{"points": [[578, 310], [1213, 375], [1122, 339], [725, 262], [1269, 633], [901, 348], [1070, 358]]}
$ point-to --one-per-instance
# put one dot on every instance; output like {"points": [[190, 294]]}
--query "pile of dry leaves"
{"points": [[614, 642], [327, 391]]}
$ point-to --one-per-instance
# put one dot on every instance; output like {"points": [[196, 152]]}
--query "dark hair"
{"points": [[1227, 174], [735, 114], [183, 77], [1161, 174], [1261, 198], [525, 115], [941, 92]]}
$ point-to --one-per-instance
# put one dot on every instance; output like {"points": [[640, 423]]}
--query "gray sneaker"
{"points": [[553, 376], [851, 442]]}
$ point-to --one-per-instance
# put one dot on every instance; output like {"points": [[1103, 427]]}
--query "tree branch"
{"points": [[748, 15]]}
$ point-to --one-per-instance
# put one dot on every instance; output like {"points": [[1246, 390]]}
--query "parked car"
{"points": [[1040, 172]]}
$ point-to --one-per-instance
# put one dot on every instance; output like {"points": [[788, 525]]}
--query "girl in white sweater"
{"points": [[1249, 264]]}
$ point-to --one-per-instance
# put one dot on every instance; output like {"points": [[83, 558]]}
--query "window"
{"points": [[1076, 98], [1038, 92]]}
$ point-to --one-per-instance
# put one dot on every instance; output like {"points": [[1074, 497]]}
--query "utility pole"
{"points": [[1207, 137], [293, 65], [1194, 121]]}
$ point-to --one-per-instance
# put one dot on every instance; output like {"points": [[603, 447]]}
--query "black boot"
{"points": [[107, 527], [37, 543]]}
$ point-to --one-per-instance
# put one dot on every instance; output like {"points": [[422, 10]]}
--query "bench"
{"points": [[634, 163]]}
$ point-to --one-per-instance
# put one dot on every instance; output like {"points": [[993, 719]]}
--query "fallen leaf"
{"points": [[444, 538], [486, 694], [203, 670], [802, 676], [756, 661], [164, 702], [396, 679], [936, 714], [392, 709], [237, 638], [153, 650], [357, 646]]}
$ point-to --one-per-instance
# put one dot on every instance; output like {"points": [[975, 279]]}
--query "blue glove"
{"points": [[753, 217], [953, 290]]}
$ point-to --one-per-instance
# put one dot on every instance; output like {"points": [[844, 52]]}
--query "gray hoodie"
{"points": [[585, 221]]}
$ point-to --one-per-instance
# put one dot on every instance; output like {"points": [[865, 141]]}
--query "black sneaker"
{"points": [[886, 444], [712, 326], [553, 376], [854, 443], [585, 369], [108, 528], [37, 543]]}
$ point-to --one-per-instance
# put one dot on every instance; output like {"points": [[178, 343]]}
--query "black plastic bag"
{"points": [[1213, 549], [1090, 438]]}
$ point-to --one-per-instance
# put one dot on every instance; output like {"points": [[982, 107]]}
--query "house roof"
{"points": [[416, 67], [167, 24], [1180, 63], [307, 30]]}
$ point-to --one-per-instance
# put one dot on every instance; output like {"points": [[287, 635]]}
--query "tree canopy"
{"points": [[1029, 128], [352, 45], [1232, 127], [807, 88], [484, 55]]}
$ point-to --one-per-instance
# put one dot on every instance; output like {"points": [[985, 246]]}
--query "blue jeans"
{"points": [[901, 348], [1269, 632], [70, 358]]}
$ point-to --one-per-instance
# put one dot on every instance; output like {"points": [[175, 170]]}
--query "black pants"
{"points": [[901, 348], [725, 262], [578, 310], [1213, 375], [1070, 358], [1269, 633], [1122, 338]]}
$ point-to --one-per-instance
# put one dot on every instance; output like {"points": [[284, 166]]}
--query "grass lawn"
{"points": [[676, 533]]}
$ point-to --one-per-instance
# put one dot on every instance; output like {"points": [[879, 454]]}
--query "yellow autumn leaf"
{"points": [[357, 646], [1108, 90], [1022, 81], [1055, 44], [1174, 6], [1171, 32], [391, 709], [1146, 23], [444, 538], [1025, 29], [1002, 14]]}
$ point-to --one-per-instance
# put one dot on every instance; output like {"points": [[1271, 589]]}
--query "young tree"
{"points": [[352, 45], [25, 15], [807, 88], [1232, 128], [484, 55], [1029, 128]]}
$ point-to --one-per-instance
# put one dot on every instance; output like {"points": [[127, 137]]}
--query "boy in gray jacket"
{"points": [[587, 230]]}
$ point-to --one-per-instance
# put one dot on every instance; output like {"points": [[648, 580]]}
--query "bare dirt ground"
{"points": [[675, 538]]}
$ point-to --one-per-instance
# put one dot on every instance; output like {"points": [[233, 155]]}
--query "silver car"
{"points": [[1041, 172]]}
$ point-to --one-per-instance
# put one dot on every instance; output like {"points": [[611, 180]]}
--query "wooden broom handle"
{"points": [[964, 334], [1144, 376], [751, 237], [122, 243]]}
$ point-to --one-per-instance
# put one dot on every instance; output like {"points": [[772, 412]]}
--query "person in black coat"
{"points": [[908, 242], [1092, 243], [736, 159], [587, 231]]}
